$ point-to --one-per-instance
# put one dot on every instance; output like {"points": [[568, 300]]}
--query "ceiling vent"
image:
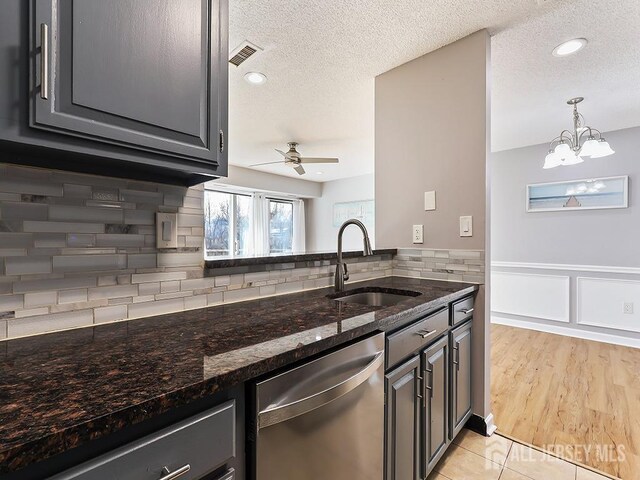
{"points": [[243, 52]]}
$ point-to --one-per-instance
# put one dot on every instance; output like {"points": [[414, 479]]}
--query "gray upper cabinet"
{"points": [[141, 83], [403, 398], [460, 377], [435, 372], [130, 72]]}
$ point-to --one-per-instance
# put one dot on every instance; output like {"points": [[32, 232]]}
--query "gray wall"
{"points": [[432, 132], [321, 234], [432, 126], [268, 182], [590, 237]]}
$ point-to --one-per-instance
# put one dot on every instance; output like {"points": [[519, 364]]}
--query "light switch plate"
{"points": [[430, 200], [418, 233], [466, 226], [166, 230]]}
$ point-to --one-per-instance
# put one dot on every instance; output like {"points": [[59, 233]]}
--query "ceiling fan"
{"points": [[293, 158]]}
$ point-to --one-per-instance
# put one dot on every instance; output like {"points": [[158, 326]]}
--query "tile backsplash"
{"points": [[78, 250], [440, 264]]}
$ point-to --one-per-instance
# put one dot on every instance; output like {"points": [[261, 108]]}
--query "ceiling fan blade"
{"points": [[266, 163], [318, 160], [299, 169], [284, 154]]}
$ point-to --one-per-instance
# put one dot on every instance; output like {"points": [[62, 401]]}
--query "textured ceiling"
{"points": [[530, 85], [321, 57]]}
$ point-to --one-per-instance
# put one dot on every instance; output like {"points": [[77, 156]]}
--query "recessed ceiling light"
{"points": [[319, 173], [255, 78], [569, 47]]}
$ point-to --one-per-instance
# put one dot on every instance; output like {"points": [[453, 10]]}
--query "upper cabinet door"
{"points": [[145, 74]]}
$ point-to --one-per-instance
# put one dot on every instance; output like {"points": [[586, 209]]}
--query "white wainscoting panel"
{"points": [[531, 295], [600, 302]]}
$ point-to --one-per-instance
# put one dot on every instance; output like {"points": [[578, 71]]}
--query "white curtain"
{"points": [[260, 225], [299, 240]]}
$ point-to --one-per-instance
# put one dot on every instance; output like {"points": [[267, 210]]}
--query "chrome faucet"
{"points": [[342, 274]]}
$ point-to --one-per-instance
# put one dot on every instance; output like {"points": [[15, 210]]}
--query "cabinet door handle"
{"points": [[456, 360], [169, 475], [466, 311], [221, 141], [44, 61], [429, 385], [424, 334]]}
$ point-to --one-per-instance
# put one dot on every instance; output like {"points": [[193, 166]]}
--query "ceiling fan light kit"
{"points": [[570, 148], [295, 160]]}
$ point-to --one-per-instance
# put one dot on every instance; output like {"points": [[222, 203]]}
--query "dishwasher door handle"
{"points": [[275, 415]]}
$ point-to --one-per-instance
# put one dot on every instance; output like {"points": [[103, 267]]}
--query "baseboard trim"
{"points": [[483, 426], [567, 331]]}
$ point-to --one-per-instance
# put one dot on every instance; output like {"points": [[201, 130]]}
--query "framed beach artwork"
{"points": [[588, 194]]}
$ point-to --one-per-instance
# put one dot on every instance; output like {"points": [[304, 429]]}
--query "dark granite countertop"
{"points": [[61, 390]]}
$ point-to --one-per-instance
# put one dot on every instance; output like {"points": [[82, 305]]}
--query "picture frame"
{"points": [[585, 194], [362, 210]]}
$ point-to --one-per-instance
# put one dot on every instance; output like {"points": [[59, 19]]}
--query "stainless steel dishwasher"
{"points": [[324, 419]]}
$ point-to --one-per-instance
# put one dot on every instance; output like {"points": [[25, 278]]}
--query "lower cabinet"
{"points": [[435, 427], [460, 378], [191, 450], [403, 392], [428, 400]]}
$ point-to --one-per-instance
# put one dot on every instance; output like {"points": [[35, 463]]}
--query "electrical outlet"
{"points": [[628, 308], [418, 233]]}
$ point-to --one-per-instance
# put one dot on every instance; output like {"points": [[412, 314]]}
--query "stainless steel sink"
{"points": [[375, 297]]}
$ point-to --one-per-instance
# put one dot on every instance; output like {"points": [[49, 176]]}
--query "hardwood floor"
{"points": [[577, 398]]}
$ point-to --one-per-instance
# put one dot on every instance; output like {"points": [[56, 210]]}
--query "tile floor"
{"points": [[474, 457]]}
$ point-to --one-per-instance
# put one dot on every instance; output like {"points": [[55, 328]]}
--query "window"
{"points": [[280, 226], [243, 224], [227, 224]]}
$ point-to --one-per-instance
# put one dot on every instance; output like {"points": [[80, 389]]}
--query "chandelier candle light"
{"points": [[568, 148]]}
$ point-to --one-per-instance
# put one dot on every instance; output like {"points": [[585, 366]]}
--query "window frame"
{"points": [[289, 202], [232, 214]]}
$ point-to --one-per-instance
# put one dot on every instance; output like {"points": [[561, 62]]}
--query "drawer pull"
{"points": [[424, 334], [169, 475], [466, 311]]}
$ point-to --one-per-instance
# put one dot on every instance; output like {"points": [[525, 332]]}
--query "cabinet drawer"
{"points": [[403, 343], [197, 445], [461, 310]]}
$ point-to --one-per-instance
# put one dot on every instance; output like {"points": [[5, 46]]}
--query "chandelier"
{"points": [[569, 148]]}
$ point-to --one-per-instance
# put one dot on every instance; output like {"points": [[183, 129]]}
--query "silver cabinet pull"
{"points": [[44, 61], [429, 385], [169, 475], [466, 311], [221, 141], [456, 360], [425, 334]]}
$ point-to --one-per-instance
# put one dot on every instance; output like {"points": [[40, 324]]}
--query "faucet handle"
{"points": [[346, 272]]}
